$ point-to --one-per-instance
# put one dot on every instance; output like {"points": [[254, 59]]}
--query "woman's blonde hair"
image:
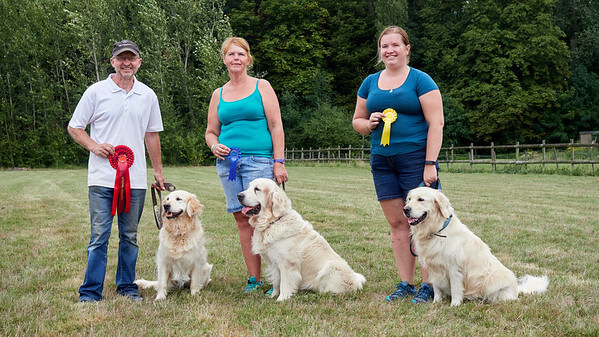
{"points": [[238, 41], [394, 30]]}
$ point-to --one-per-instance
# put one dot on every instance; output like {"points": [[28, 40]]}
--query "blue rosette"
{"points": [[234, 155]]}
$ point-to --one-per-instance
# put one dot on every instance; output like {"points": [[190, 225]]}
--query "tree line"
{"points": [[508, 70]]}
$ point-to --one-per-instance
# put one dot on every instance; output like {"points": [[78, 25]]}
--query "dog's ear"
{"points": [[279, 202], [443, 204], [193, 206]]}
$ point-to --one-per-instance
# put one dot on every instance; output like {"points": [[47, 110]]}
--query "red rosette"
{"points": [[121, 152], [121, 161]]}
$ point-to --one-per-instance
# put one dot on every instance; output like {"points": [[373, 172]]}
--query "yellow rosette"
{"points": [[390, 117]]}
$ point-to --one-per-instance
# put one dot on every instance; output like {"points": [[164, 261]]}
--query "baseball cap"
{"points": [[125, 45]]}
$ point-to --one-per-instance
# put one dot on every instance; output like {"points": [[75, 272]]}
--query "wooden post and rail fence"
{"points": [[561, 154]]}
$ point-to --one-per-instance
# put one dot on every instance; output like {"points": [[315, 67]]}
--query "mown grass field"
{"points": [[537, 224]]}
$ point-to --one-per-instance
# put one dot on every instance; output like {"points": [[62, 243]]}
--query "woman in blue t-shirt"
{"points": [[403, 153], [244, 116]]}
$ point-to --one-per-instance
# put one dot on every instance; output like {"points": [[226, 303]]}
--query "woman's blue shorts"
{"points": [[248, 169], [394, 176]]}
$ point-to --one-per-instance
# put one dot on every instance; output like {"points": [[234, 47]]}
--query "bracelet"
{"points": [[213, 146], [430, 162], [282, 161]]}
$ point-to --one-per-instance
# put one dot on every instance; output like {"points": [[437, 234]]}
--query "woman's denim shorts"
{"points": [[394, 176], [248, 169]]}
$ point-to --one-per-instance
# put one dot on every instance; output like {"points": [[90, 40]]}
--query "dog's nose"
{"points": [[167, 207], [406, 211], [240, 196]]}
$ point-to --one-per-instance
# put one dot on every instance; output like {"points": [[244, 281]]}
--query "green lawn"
{"points": [[537, 224]]}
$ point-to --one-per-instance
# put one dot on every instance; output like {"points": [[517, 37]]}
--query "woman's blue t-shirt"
{"points": [[244, 125], [409, 131]]}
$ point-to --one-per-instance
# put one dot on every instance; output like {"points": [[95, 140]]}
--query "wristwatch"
{"points": [[282, 160], [430, 162]]}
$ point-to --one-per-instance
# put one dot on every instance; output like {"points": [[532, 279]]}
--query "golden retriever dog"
{"points": [[459, 263], [181, 257], [297, 257]]}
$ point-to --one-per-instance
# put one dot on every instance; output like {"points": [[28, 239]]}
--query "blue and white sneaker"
{"points": [[425, 293], [403, 290]]}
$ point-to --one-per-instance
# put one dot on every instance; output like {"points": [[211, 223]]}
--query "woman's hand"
{"points": [[374, 120], [430, 174], [220, 150], [280, 173]]}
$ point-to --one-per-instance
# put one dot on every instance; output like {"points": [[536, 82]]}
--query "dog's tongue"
{"points": [[245, 209], [412, 220]]}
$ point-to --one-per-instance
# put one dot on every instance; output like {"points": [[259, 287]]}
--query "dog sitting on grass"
{"points": [[181, 258], [459, 263]]}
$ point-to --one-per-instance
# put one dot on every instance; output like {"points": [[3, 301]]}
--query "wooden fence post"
{"points": [[493, 163], [471, 155], [543, 146], [572, 149], [591, 158]]}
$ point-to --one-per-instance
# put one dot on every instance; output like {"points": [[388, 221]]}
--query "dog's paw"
{"points": [[160, 297], [455, 303], [283, 297]]}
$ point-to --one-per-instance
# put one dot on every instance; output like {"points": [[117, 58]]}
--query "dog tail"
{"points": [[528, 284], [145, 284]]}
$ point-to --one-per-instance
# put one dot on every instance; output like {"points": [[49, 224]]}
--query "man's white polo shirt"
{"points": [[118, 118]]}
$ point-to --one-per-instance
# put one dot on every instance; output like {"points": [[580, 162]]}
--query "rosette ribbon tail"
{"points": [[386, 134], [234, 155], [121, 199]]}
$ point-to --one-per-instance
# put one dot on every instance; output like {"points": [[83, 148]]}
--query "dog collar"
{"points": [[437, 234], [444, 226], [275, 220]]}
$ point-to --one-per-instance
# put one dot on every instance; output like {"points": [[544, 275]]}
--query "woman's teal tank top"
{"points": [[244, 125]]}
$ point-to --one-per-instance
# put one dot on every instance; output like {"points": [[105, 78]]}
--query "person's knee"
{"points": [[399, 224]]}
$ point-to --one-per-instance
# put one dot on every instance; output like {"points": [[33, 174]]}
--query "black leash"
{"points": [[157, 203]]}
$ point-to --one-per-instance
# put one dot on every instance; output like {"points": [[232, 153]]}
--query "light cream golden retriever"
{"points": [[181, 257], [459, 263], [297, 257]]}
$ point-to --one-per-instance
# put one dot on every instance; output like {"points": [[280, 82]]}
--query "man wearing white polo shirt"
{"points": [[122, 112]]}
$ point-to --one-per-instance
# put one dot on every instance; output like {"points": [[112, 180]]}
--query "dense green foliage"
{"points": [[53, 50], [502, 60], [508, 70]]}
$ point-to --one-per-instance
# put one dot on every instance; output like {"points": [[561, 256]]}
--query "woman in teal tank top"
{"points": [[244, 115]]}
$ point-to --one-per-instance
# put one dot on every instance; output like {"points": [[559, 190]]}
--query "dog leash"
{"points": [[422, 184], [157, 203], [282, 184]]}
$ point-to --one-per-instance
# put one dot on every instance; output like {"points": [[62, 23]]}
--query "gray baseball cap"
{"points": [[125, 45]]}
